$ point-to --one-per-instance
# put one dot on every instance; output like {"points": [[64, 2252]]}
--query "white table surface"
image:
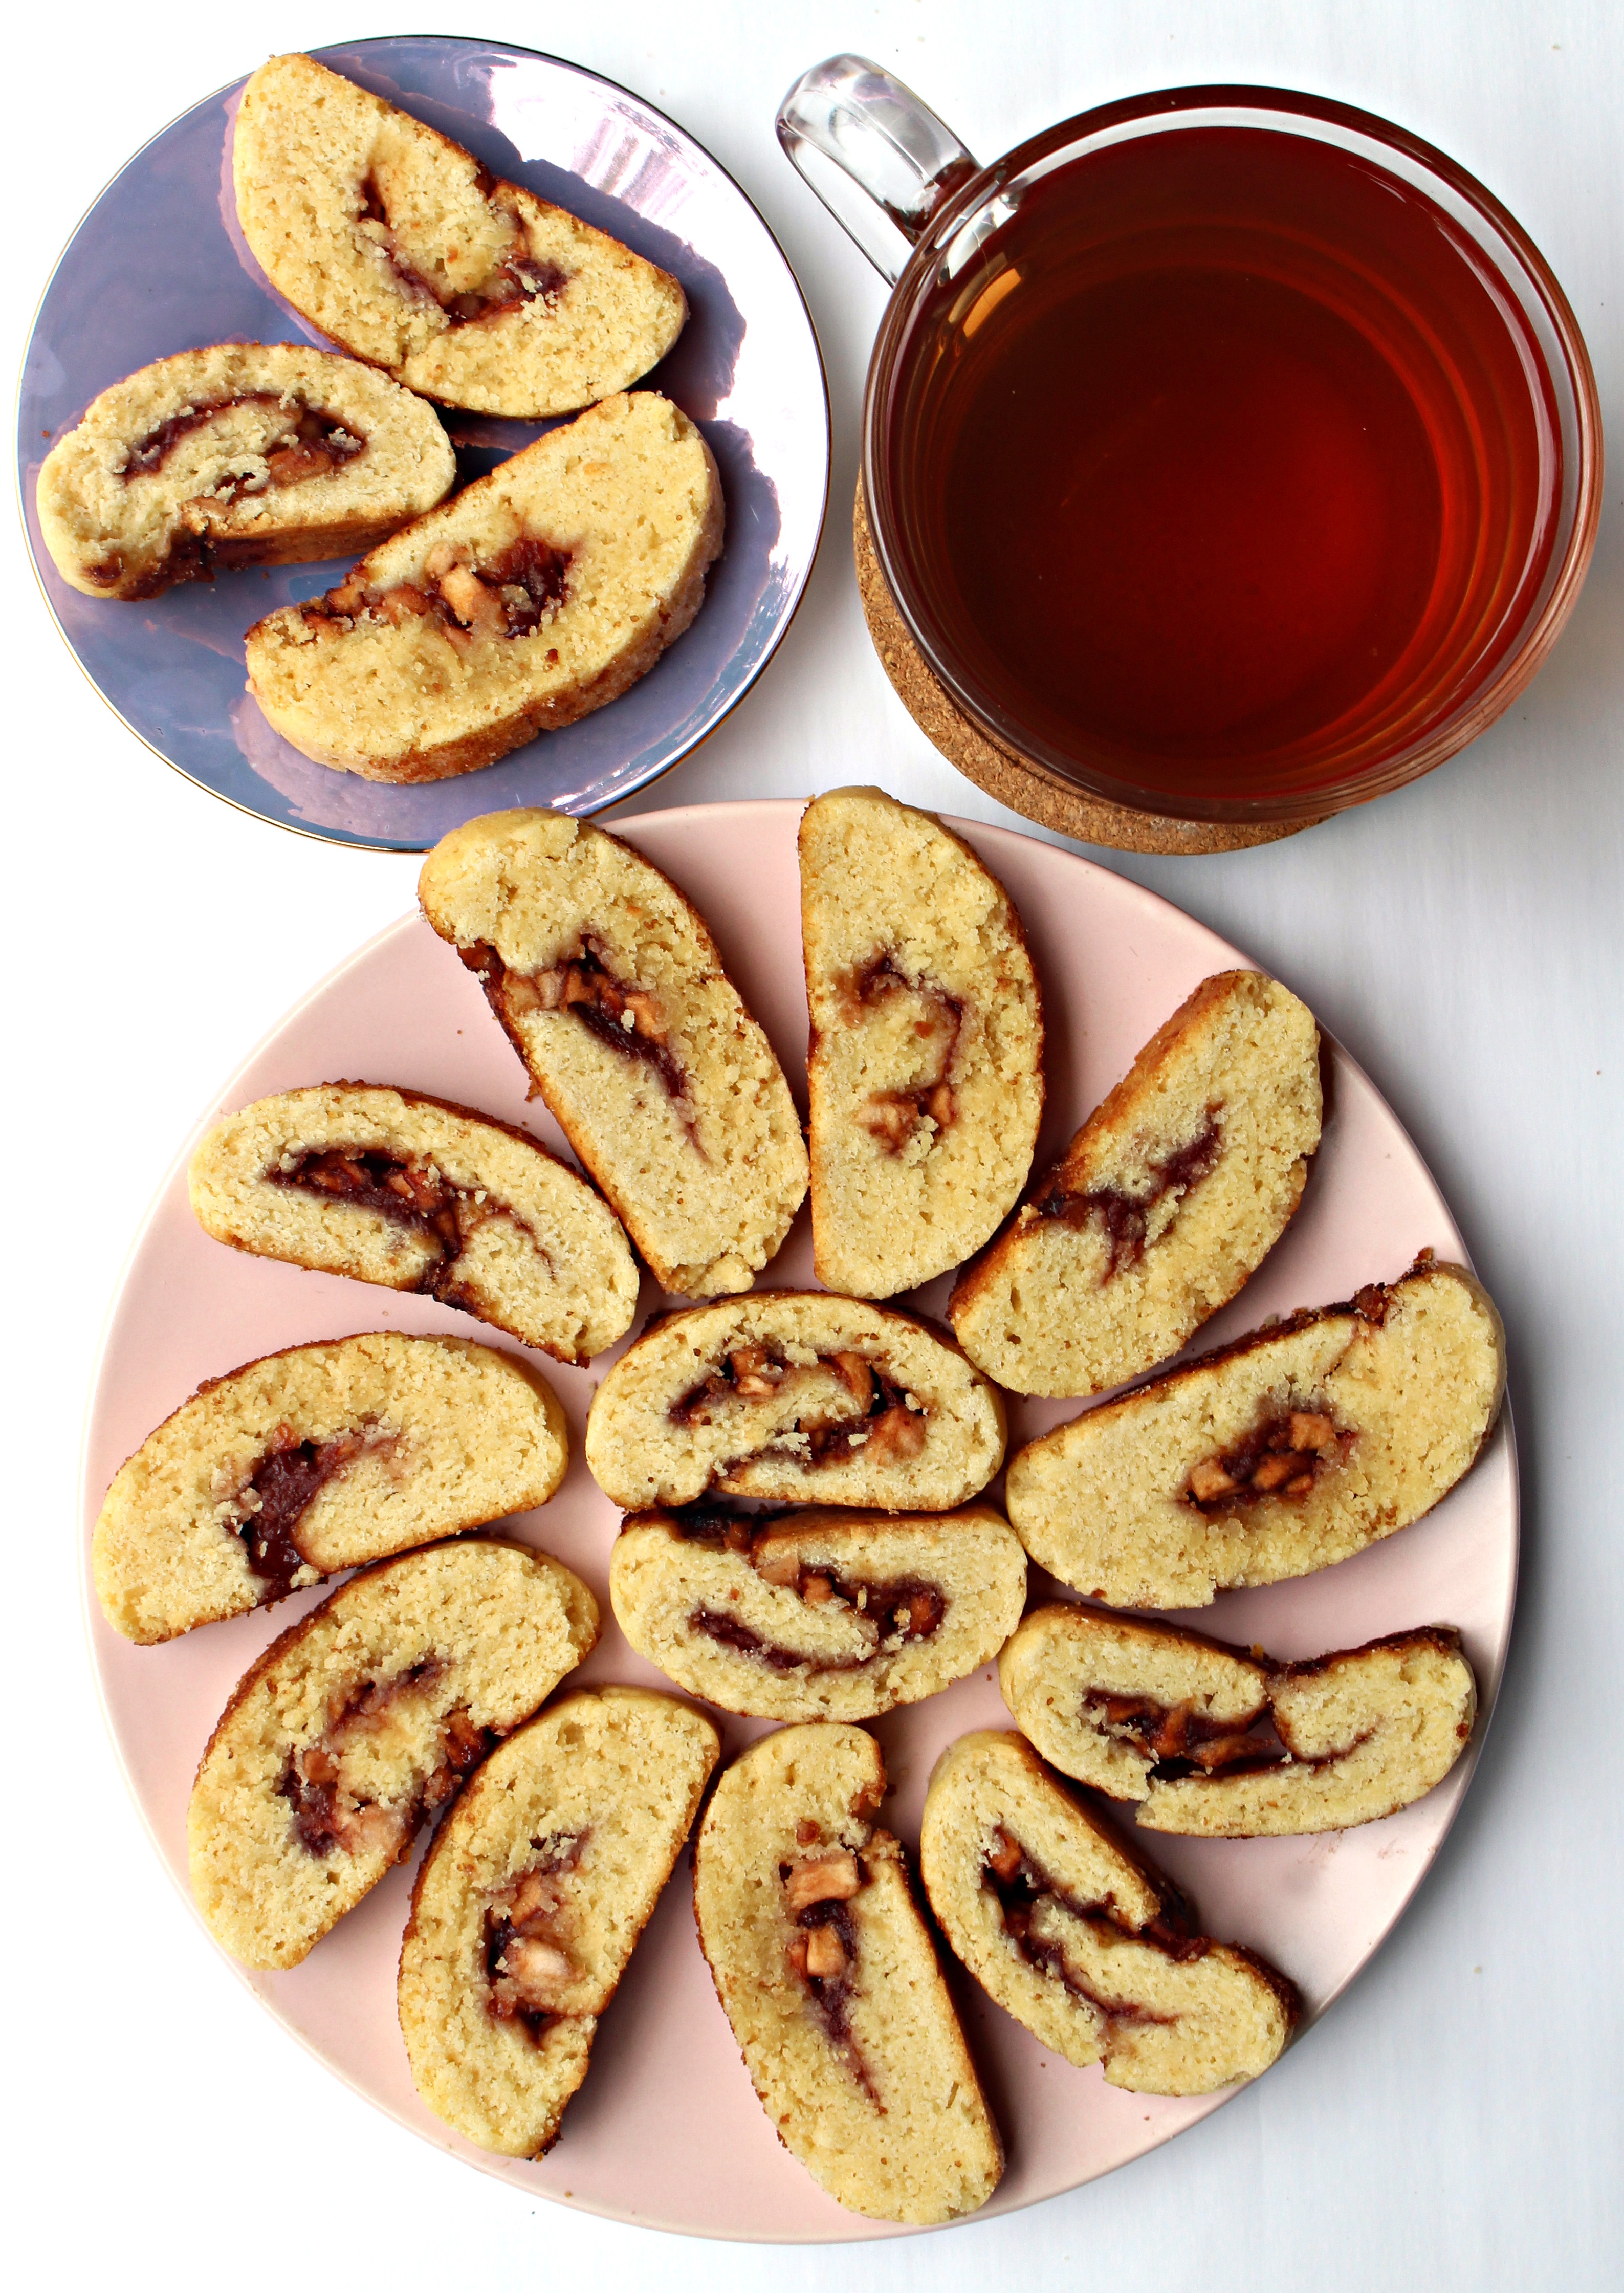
{"points": [[1454, 2122]]}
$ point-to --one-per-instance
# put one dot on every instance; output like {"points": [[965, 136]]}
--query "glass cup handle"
{"points": [[879, 159]]}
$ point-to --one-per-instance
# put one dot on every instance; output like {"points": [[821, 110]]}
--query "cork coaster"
{"points": [[1026, 788]]}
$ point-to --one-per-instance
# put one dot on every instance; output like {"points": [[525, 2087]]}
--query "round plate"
{"points": [[667, 2130], [745, 368]]}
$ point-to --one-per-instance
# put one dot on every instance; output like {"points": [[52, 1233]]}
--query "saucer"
{"points": [[159, 265]]}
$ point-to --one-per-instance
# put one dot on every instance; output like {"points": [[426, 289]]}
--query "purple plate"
{"points": [[159, 265]]}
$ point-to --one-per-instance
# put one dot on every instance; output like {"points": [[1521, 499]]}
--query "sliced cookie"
{"points": [[795, 1396], [540, 593], [361, 1721], [830, 1980], [925, 1069], [1271, 1458], [1080, 1940], [417, 1194], [1167, 1198], [397, 243], [241, 454], [1207, 1740], [531, 1899], [319, 1458], [817, 1615], [611, 990]]}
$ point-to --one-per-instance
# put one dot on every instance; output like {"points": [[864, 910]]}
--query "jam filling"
{"points": [[509, 595], [823, 1951], [517, 278], [328, 1812], [899, 1610], [1125, 1218], [1285, 1455], [626, 1018], [278, 1494], [881, 1414], [1023, 1887], [526, 1962], [894, 1116], [409, 1193], [1180, 1741], [312, 443]]}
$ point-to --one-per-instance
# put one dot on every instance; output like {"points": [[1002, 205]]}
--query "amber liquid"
{"points": [[1224, 470]]}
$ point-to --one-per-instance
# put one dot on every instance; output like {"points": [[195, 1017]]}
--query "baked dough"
{"points": [[925, 1070], [397, 243], [1080, 1940], [531, 1899], [323, 1457], [1283, 1453], [417, 1194], [829, 1976], [611, 990], [361, 1721], [1207, 1740], [242, 454], [795, 1396], [817, 1615], [537, 594], [1166, 1200]]}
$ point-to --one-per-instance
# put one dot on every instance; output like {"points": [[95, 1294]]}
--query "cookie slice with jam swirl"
{"points": [[830, 1978], [1164, 1204], [359, 1723], [414, 1192], [395, 241], [607, 982], [531, 1901], [819, 1615]]}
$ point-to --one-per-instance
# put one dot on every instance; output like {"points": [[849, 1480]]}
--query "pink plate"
{"points": [[667, 2131]]}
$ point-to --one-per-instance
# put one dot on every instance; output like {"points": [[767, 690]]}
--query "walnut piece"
{"points": [[830, 1879]]}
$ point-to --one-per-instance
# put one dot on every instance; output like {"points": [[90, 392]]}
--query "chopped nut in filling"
{"points": [[628, 1020], [1035, 1909], [527, 1965], [1127, 1219], [822, 1951], [1284, 1454], [878, 1416], [266, 1508], [409, 1192], [332, 1811], [516, 277], [894, 1116], [509, 595]]}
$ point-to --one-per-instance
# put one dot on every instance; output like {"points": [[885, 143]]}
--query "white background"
{"points": [[1455, 2121]]}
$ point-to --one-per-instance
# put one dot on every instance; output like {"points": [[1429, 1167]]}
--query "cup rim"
{"points": [[1159, 110]]}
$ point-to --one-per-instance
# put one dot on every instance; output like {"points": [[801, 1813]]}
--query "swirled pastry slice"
{"points": [[1167, 1198], [322, 1457], [540, 593], [1207, 1740], [397, 243], [817, 1615], [795, 1396], [532, 1899], [359, 1723], [1273, 1457], [925, 1072], [829, 1976], [414, 1192], [1080, 1940], [611, 990], [242, 454]]}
